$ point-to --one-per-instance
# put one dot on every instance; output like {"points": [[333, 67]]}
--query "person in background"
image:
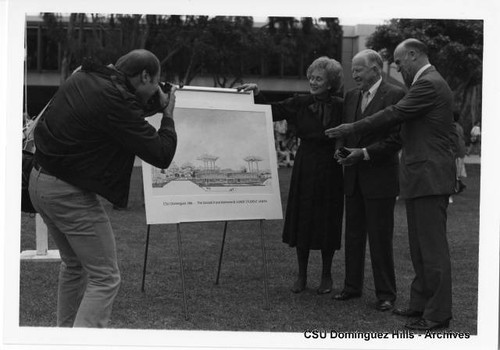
{"points": [[475, 139], [460, 152], [284, 155], [314, 211], [427, 179], [370, 183], [86, 142]]}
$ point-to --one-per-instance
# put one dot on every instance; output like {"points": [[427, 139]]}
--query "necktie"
{"points": [[364, 100]]}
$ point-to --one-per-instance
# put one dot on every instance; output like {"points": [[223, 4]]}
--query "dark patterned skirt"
{"points": [[315, 205]]}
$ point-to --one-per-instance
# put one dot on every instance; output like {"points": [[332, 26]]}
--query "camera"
{"points": [[165, 87], [343, 152], [153, 105]]}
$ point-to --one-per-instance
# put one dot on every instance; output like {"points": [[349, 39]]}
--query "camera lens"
{"points": [[165, 87]]}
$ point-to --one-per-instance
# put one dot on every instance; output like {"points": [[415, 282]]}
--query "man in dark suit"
{"points": [[370, 183], [427, 176]]}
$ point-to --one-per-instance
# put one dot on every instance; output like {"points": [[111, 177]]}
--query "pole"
{"points": [[145, 259], [181, 263], [264, 263], [26, 72], [221, 252]]}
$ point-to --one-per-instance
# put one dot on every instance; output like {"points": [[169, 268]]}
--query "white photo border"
{"points": [[15, 337]]}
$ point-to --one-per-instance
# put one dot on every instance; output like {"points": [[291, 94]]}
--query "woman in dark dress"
{"points": [[314, 210]]}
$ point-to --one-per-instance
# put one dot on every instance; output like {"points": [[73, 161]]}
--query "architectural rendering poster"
{"points": [[224, 168]]}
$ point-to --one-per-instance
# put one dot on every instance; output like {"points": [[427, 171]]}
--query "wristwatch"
{"points": [[366, 155]]}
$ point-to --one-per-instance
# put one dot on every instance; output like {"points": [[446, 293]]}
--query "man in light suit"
{"points": [[370, 183], [427, 175]]}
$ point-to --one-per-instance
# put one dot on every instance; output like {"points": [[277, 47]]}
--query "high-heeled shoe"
{"points": [[299, 285], [325, 286]]}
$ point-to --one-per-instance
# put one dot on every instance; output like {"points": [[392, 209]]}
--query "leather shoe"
{"points": [[346, 296], [298, 286], [427, 325], [384, 305], [407, 312]]}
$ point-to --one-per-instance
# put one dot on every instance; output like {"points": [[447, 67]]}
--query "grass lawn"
{"points": [[237, 302]]}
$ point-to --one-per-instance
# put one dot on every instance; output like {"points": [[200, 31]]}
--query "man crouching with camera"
{"points": [[86, 142]]}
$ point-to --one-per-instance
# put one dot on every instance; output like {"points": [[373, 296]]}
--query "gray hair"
{"points": [[333, 69], [371, 57]]}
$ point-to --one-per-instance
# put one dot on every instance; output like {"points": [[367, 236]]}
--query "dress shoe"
{"points": [[427, 325], [384, 305], [346, 296], [299, 286], [325, 287], [407, 312]]}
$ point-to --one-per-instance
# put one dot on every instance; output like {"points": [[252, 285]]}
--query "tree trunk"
{"points": [[282, 65], [147, 29], [169, 56], [300, 72], [67, 52], [95, 34], [263, 65]]}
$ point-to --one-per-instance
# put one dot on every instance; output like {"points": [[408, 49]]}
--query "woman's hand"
{"points": [[249, 87]]}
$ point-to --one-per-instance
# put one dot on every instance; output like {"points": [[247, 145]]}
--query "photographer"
{"points": [[86, 142]]}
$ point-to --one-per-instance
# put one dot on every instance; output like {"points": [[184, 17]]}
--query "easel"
{"points": [[181, 263], [42, 253], [198, 104]]}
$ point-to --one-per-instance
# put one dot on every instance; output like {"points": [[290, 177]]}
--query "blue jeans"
{"points": [[89, 277]]}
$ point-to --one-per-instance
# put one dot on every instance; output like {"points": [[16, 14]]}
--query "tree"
{"points": [[79, 38], [455, 48], [331, 42], [57, 32], [225, 47], [297, 42]]}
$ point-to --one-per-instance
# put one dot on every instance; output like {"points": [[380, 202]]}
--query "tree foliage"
{"points": [[455, 48], [223, 47]]}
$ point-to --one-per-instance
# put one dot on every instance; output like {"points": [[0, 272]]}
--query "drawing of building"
{"points": [[208, 162], [253, 163], [209, 175]]}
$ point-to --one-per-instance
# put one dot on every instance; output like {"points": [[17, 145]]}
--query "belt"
{"points": [[40, 169]]}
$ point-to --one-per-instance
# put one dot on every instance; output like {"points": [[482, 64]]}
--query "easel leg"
{"points": [[221, 252], [181, 263], [145, 259], [264, 263]]}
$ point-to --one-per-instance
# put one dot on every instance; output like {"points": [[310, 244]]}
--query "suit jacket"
{"points": [[425, 114], [377, 177]]}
